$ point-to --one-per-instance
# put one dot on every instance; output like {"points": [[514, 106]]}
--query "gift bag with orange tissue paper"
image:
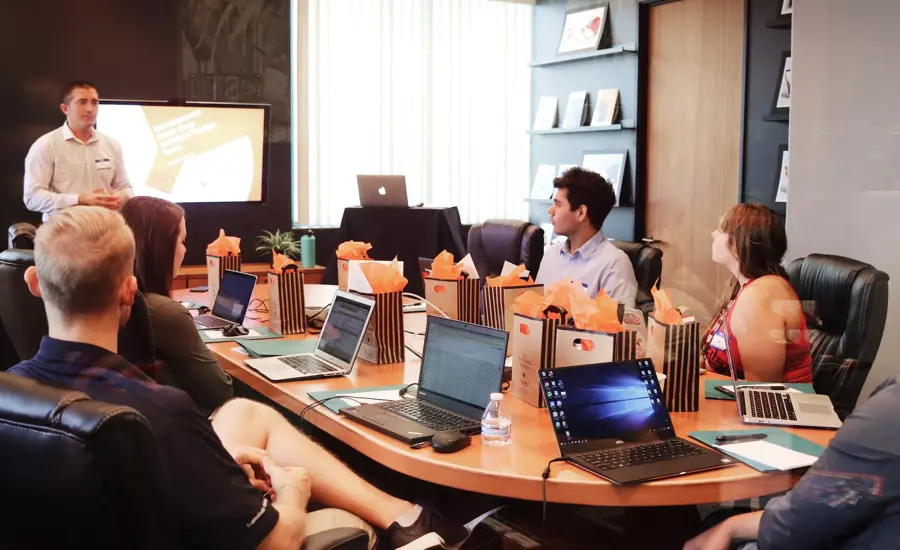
{"points": [[347, 252], [453, 288], [673, 343], [534, 326], [383, 341], [500, 292], [221, 254], [287, 313], [595, 335]]}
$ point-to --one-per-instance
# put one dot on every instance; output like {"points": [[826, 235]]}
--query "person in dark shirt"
{"points": [[224, 475], [848, 499]]}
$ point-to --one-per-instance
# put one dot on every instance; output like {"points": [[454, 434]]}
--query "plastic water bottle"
{"points": [[496, 429], [308, 250]]}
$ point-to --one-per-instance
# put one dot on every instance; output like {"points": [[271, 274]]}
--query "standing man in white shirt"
{"points": [[76, 164], [582, 202]]}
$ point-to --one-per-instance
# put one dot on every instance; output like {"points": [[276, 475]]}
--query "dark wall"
{"points": [[616, 71], [131, 49], [761, 159]]}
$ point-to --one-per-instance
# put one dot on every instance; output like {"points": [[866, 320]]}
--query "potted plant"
{"points": [[283, 243]]}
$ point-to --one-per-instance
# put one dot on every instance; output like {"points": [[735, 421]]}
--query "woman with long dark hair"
{"points": [[762, 313], [159, 237]]}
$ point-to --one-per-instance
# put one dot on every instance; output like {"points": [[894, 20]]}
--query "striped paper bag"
{"points": [[534, 350], [215, 269], [287, 312], [457, 298], [675, 351], [497, 302], [383, 342], [575, 347]]}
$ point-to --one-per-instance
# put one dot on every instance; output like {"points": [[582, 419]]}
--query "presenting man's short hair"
{"points": [[82, 254], [69, 88]]}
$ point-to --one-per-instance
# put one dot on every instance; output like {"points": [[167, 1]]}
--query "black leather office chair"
{"points": [[21, 314], [647, 263], [849, 301], [78, 473], [495, 241], [21, 235]]}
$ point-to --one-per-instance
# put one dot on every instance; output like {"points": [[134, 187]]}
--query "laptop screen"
{"points": [[602, 405], [344, 328], [462, 365], [235, 292]]}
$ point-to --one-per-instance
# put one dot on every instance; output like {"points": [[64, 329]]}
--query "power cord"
{"points": [[314, 326], [318, 402], [263, 306], [414, 352], [403, 391], [417, 297], [544, 477]]}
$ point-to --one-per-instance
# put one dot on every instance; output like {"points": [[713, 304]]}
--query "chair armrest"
{"points": [[339, 538]]}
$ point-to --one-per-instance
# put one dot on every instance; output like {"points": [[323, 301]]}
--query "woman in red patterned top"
{"points": [[765, 320]]}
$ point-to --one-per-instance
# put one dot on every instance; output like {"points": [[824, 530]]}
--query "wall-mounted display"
{"points": [[547, 113], [782, 102], [583, 29], [787, 7], [607, 110], [577, 110], [782, 194], [610, 165]]}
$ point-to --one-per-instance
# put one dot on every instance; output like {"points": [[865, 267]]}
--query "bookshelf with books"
{"points": [[585, 102]]}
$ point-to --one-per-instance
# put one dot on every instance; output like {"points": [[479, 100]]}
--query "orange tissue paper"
{"points": [[598, 315], [511, 279], [664, 311], [443, 267], [384, 278], [529, 304], [353, 250], [224, 246], [280, 261]]}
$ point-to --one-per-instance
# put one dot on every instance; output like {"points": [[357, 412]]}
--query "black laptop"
{"points": [[462, 365], [232, 301], [611, 419]]}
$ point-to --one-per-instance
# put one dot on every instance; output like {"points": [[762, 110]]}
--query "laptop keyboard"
{"points": [[208, 321], [611, 459], [772, 405], [307, 364], [437, 419]]}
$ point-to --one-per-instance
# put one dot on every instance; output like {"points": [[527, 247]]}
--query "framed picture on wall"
{"points": [[782, 102], [787, 7], [584, 29], [784, 161], [609, 164]]}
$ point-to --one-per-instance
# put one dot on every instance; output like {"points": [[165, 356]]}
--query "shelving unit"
{"points": [[627, 124], [615, 50]]}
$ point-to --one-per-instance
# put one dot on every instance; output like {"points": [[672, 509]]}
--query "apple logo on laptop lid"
{"points": [[381, 191]]}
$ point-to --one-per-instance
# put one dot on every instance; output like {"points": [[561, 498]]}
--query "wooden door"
{"points": [[694, 95]]}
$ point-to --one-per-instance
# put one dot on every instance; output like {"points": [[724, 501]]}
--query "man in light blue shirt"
{"points": [[583, 201]]}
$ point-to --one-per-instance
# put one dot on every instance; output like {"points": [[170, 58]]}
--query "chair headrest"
{"points": [[828, 281], [17, 257], [21, 235]]}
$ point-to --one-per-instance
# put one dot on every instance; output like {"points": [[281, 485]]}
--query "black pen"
{"points": [[739, 437]]}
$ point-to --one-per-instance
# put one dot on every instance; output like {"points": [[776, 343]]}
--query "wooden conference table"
{"points": [[513, 471]]}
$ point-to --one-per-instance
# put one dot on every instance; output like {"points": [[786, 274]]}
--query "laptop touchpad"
{"points": [[813, 408]]}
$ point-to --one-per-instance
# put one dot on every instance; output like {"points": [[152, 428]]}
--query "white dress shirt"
{"points": [[59, 167], [597, 264]]}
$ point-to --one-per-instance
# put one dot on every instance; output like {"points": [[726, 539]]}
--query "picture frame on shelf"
{"points": [[782, 180], [611, 164], [584, 29], [781, 104], [787, 7]]}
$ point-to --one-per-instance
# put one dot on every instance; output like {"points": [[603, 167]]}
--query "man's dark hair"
{"points": [[66, 94], [589, 189]]}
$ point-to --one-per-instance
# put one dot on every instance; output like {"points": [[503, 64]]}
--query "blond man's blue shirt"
{"points": [[597, 264]]}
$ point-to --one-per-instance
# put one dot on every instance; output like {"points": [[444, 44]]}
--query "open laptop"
{"points": [[336, 349], [232, 301], [382, 190], [462, 365], [757, 405], [611, 419]]}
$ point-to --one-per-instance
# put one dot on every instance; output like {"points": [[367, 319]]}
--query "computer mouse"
{"points": [[235, 330], [450, 442]]}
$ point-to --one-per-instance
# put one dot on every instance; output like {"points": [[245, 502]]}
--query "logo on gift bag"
{"points": [[523, 328], [440, 288]]}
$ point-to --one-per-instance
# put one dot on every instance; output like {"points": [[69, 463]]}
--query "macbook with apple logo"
{"points": [[380, 190]]}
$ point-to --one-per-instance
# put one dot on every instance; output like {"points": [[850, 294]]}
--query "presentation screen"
{"points": [[195, 152]]}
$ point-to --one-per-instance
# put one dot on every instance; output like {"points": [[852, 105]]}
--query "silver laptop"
{"points": [[382, 190], [232, 301], [780, 408], [336, 349]]}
